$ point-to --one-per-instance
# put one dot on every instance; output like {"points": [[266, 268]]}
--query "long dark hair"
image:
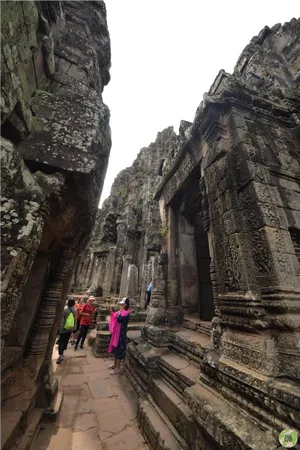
{"points": [[126, 303]]}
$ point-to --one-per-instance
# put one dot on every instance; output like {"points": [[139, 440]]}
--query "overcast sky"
{"points": [[165, 55]]}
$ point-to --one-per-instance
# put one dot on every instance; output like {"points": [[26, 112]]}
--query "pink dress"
{"points": [[115, 328]]}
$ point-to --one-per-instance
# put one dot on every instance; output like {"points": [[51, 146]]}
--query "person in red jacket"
{"points": [[85, 321]]}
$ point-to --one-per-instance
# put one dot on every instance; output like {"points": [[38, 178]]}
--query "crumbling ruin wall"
{"points": [[127, 234], [56, 141], [236, 176]]}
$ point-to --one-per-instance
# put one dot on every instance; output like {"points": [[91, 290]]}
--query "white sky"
{"points": [[165, 55]]}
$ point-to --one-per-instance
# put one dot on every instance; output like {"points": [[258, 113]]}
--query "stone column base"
{"points": [[174, 316], [155, 316]]}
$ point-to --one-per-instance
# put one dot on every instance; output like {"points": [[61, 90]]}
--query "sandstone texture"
{"points": [[55, 60], [97, 410], [217, 363], [127, 233]]}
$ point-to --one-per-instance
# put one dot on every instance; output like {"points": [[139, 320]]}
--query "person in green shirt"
{"points": [[68, 325]]}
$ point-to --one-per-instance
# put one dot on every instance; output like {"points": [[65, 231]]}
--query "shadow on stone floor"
{"points": [[98, 410]]}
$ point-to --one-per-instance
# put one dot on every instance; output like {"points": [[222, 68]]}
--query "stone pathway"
{"points": [[97, 412]]}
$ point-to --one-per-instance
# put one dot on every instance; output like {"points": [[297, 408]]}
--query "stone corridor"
{"points": [[97, 412]]}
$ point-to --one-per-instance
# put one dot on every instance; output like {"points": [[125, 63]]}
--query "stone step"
{"points": [[258, 387], [173, 406], [159, 434], [191, 344], [193, 322], [103, 326], [133, 335], [24, 443], [178, 371], [102, 339], [228, 424], [50, 414], [15, 415]]}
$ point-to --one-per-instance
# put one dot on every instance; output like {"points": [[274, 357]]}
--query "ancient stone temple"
{"points": [[55, 63], [127, 235], [218, 365]]}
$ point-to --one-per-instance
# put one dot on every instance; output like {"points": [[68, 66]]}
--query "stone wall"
{"points": [[127, 235], [234, 185], [56, 141]]}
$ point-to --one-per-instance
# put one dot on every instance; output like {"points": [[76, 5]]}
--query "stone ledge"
{"points": [[154, 429], [228, 425]]}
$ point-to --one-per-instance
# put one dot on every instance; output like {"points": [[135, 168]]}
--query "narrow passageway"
{"points": [[97, 411]]}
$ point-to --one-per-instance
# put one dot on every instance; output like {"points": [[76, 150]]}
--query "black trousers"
{"points": [[63, 342], [82, 335], [148, 299]]}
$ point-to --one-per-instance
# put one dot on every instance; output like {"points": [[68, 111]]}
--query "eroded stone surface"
{"points": [[55, 62], [229, 202], [91, 417], [127, 235]]}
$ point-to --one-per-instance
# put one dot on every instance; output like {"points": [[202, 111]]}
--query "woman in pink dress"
{"points": [[118, 329]]}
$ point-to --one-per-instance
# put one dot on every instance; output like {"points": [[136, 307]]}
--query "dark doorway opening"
{"points": [[206, 300], [194, 257]]}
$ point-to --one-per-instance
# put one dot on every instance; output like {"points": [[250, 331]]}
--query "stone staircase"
{"points": [[177, 410], [21, 420]]}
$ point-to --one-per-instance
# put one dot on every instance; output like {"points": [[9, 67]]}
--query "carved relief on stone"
{"points": [[47, 311], [156, 313], [204, 202], [178, 178]]}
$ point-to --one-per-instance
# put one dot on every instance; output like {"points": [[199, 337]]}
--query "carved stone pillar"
{"points": [[127, 260], [216, 322], [174, 314], [49, 382], [110, 271], [89, 271], [47, 310], [157, 307]]}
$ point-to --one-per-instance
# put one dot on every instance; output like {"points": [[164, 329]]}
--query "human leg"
{"points": [[85, 329], [67, 338], [147, 300], [75, 334], [78, 337], [112, 366], [62, 345]]}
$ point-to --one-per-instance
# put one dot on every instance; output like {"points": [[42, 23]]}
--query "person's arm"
{"points": [[122, 319], [75, 318], [83, 313]]}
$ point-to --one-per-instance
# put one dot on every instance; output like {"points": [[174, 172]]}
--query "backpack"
{"points": [[70, 322]]}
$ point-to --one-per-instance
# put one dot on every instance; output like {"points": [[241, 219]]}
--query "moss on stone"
{"points": [[36, 124]]}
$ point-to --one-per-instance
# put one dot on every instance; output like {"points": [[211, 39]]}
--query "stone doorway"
{"points": [[194, 268], [193, 254]]}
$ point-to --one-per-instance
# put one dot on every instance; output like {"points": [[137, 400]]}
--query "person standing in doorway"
{"points": [[118, 329], [148, 293], [85, 321], [68, 324]]}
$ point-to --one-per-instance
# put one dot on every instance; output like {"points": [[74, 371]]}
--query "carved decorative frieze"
{"points": [[178, 178], [47, 311]]}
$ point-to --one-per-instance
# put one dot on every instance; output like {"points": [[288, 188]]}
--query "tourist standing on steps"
{"points": [[68, 324], [148, 293], [79, 305], [118, 329], [85, 321]]}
